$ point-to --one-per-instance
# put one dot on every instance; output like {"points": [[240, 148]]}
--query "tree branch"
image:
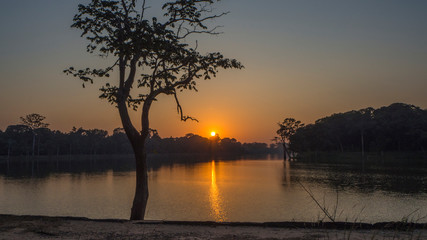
{"points": [[131, 77], [179, 109], [189, 32], [143, 10]]}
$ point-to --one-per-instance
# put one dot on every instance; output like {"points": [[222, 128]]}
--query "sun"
{"points": [[213, 134]]}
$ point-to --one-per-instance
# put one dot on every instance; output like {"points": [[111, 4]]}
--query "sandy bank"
{"points": [[39, 227]]}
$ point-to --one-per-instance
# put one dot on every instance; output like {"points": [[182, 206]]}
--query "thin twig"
{"points": [[325, 211]]}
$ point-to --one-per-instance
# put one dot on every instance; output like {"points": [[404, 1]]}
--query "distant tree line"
{"points": [[22, 140], [398, 127]]}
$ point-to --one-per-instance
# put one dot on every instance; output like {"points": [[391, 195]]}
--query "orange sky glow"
{"points": [[303, 59]]}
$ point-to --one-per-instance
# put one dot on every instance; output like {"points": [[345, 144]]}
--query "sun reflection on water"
{"points": [[215, 198]]}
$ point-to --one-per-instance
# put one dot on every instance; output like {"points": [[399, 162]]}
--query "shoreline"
{"points": [[43, 227]]}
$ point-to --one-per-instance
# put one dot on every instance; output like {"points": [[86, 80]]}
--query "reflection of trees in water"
{"points": [[45, 166], [287, 173], [353, 178]]}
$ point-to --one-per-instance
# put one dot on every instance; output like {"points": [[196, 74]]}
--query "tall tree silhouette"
{"points": [[286, 130], [151, 55], [34, 121]]}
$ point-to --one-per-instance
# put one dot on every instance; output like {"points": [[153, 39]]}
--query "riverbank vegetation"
{"points": [[21, 140], [396, 128]]}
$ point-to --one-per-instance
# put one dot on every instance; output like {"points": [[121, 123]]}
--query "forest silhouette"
{"points": [[18, 140], [395, 128]]}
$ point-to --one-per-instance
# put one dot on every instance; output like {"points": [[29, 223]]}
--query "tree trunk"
{"points": [[57, 156], [340, 144], [137, 139], [32, 159], [285, 152], [362, 143], [138, 144], [10, 146], [34, 143], [141, 189], [38, 146], [8, 156]]}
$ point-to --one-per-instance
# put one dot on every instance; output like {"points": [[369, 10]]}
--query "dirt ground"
{"points": [[37, 227]]}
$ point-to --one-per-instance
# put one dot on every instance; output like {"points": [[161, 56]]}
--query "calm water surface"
{"points": [[261, 189]]}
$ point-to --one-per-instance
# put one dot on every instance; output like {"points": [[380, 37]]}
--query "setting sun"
{"points": [[213, 134]]}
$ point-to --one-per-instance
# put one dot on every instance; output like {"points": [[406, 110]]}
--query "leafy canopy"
{"points": [[288, 128], [34, 121], [150, 54]]}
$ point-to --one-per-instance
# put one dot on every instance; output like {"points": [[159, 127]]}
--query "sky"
{"points": [[303, 59]]}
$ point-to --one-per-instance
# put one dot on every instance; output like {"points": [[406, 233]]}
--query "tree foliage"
{"points": [[398, 127], [34, 121], [286, 130], [150, 54]]}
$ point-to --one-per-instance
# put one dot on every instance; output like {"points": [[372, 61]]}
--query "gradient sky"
{"points": [[303, 59]]}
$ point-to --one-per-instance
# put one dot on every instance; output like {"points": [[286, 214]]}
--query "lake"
{"points": [[201, 188]]}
